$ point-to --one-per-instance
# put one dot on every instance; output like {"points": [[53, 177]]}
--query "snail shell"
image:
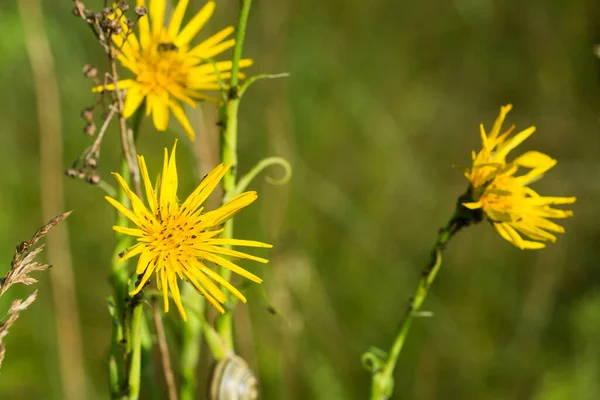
{"points": [[232, 379]]}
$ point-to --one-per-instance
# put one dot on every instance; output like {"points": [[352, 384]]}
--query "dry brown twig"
{"points": [[112, 21], [22, 265]]}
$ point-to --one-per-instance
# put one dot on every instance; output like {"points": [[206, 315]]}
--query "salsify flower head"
{"points": [[505, 198], [168, 70], [174, 241]]}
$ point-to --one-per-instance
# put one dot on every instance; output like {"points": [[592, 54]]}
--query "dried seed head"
{"points": [[78, 6], [92, 163], [93, 179], [130, 24], [89, 129], [88, 114], [71, 172], [114, 26], [81, 174], [141, 11], [107, 11], [124, 6], [90, 71]]}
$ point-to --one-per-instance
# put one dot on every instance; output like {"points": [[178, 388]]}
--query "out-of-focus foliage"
{"points": [[384, 99]]}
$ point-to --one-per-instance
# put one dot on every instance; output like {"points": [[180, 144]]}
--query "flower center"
{"points": [[504, 200], [175, 235], [162, 67]]}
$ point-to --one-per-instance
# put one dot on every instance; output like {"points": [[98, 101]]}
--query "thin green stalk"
{"points": [[123, 351], [119, 279], [229, 115], [191, 333], [135, 356], [240, 35], [383, 381]]}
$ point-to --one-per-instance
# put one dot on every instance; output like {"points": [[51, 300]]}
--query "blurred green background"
{"points": [[383, 102]]}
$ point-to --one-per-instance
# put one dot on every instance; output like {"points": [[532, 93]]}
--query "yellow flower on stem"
{"points": [[168, 71], [505, 198], [175, 240]]}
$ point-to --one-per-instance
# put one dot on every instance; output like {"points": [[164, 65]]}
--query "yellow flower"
{"points": [[514, 208], [175, 240], [167, 69]]}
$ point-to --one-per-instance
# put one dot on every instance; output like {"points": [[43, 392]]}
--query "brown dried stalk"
{"points": [[22, 265]]}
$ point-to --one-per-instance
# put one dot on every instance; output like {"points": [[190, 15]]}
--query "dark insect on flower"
{"points": [[166, 47]]}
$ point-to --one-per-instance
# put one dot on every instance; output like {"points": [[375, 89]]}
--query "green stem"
{"points": [[240, 35], [119, 279], [383, 382], [229, 115], [135, 356], [191, 335], [124, 355]]}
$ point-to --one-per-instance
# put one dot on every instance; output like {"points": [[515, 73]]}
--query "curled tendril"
{"points": [[374, 359], [259, 167], [255, 78]]}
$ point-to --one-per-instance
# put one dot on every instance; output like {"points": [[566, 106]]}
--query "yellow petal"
{"points": [[168, 184], [546, 200], [160, 112], [177, 17], [212, 41], [216, 50], [207, 283], [499, 121], [209, 68], [139, 208], [238, 242], [150, 195], [133, 98], [194, 26], [156, 12], [144, 261], [123, 84], [131, 252], [125, 43], [124, 210], [229, 252], [220, 280], [129, 231], [205, 188], [533, 232], [209, 78], [143, 27], [144, 279], [509, 145], [230, 266], [229, 209], [172, 279], [162, 281], [183, 119], [204, 293]]}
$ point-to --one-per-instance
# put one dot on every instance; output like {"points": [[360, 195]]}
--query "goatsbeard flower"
{"points": [[175, 240], [505, 198], [168, 70]]}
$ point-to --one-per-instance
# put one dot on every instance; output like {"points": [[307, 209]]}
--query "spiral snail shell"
{"points": [[232, 379]]}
